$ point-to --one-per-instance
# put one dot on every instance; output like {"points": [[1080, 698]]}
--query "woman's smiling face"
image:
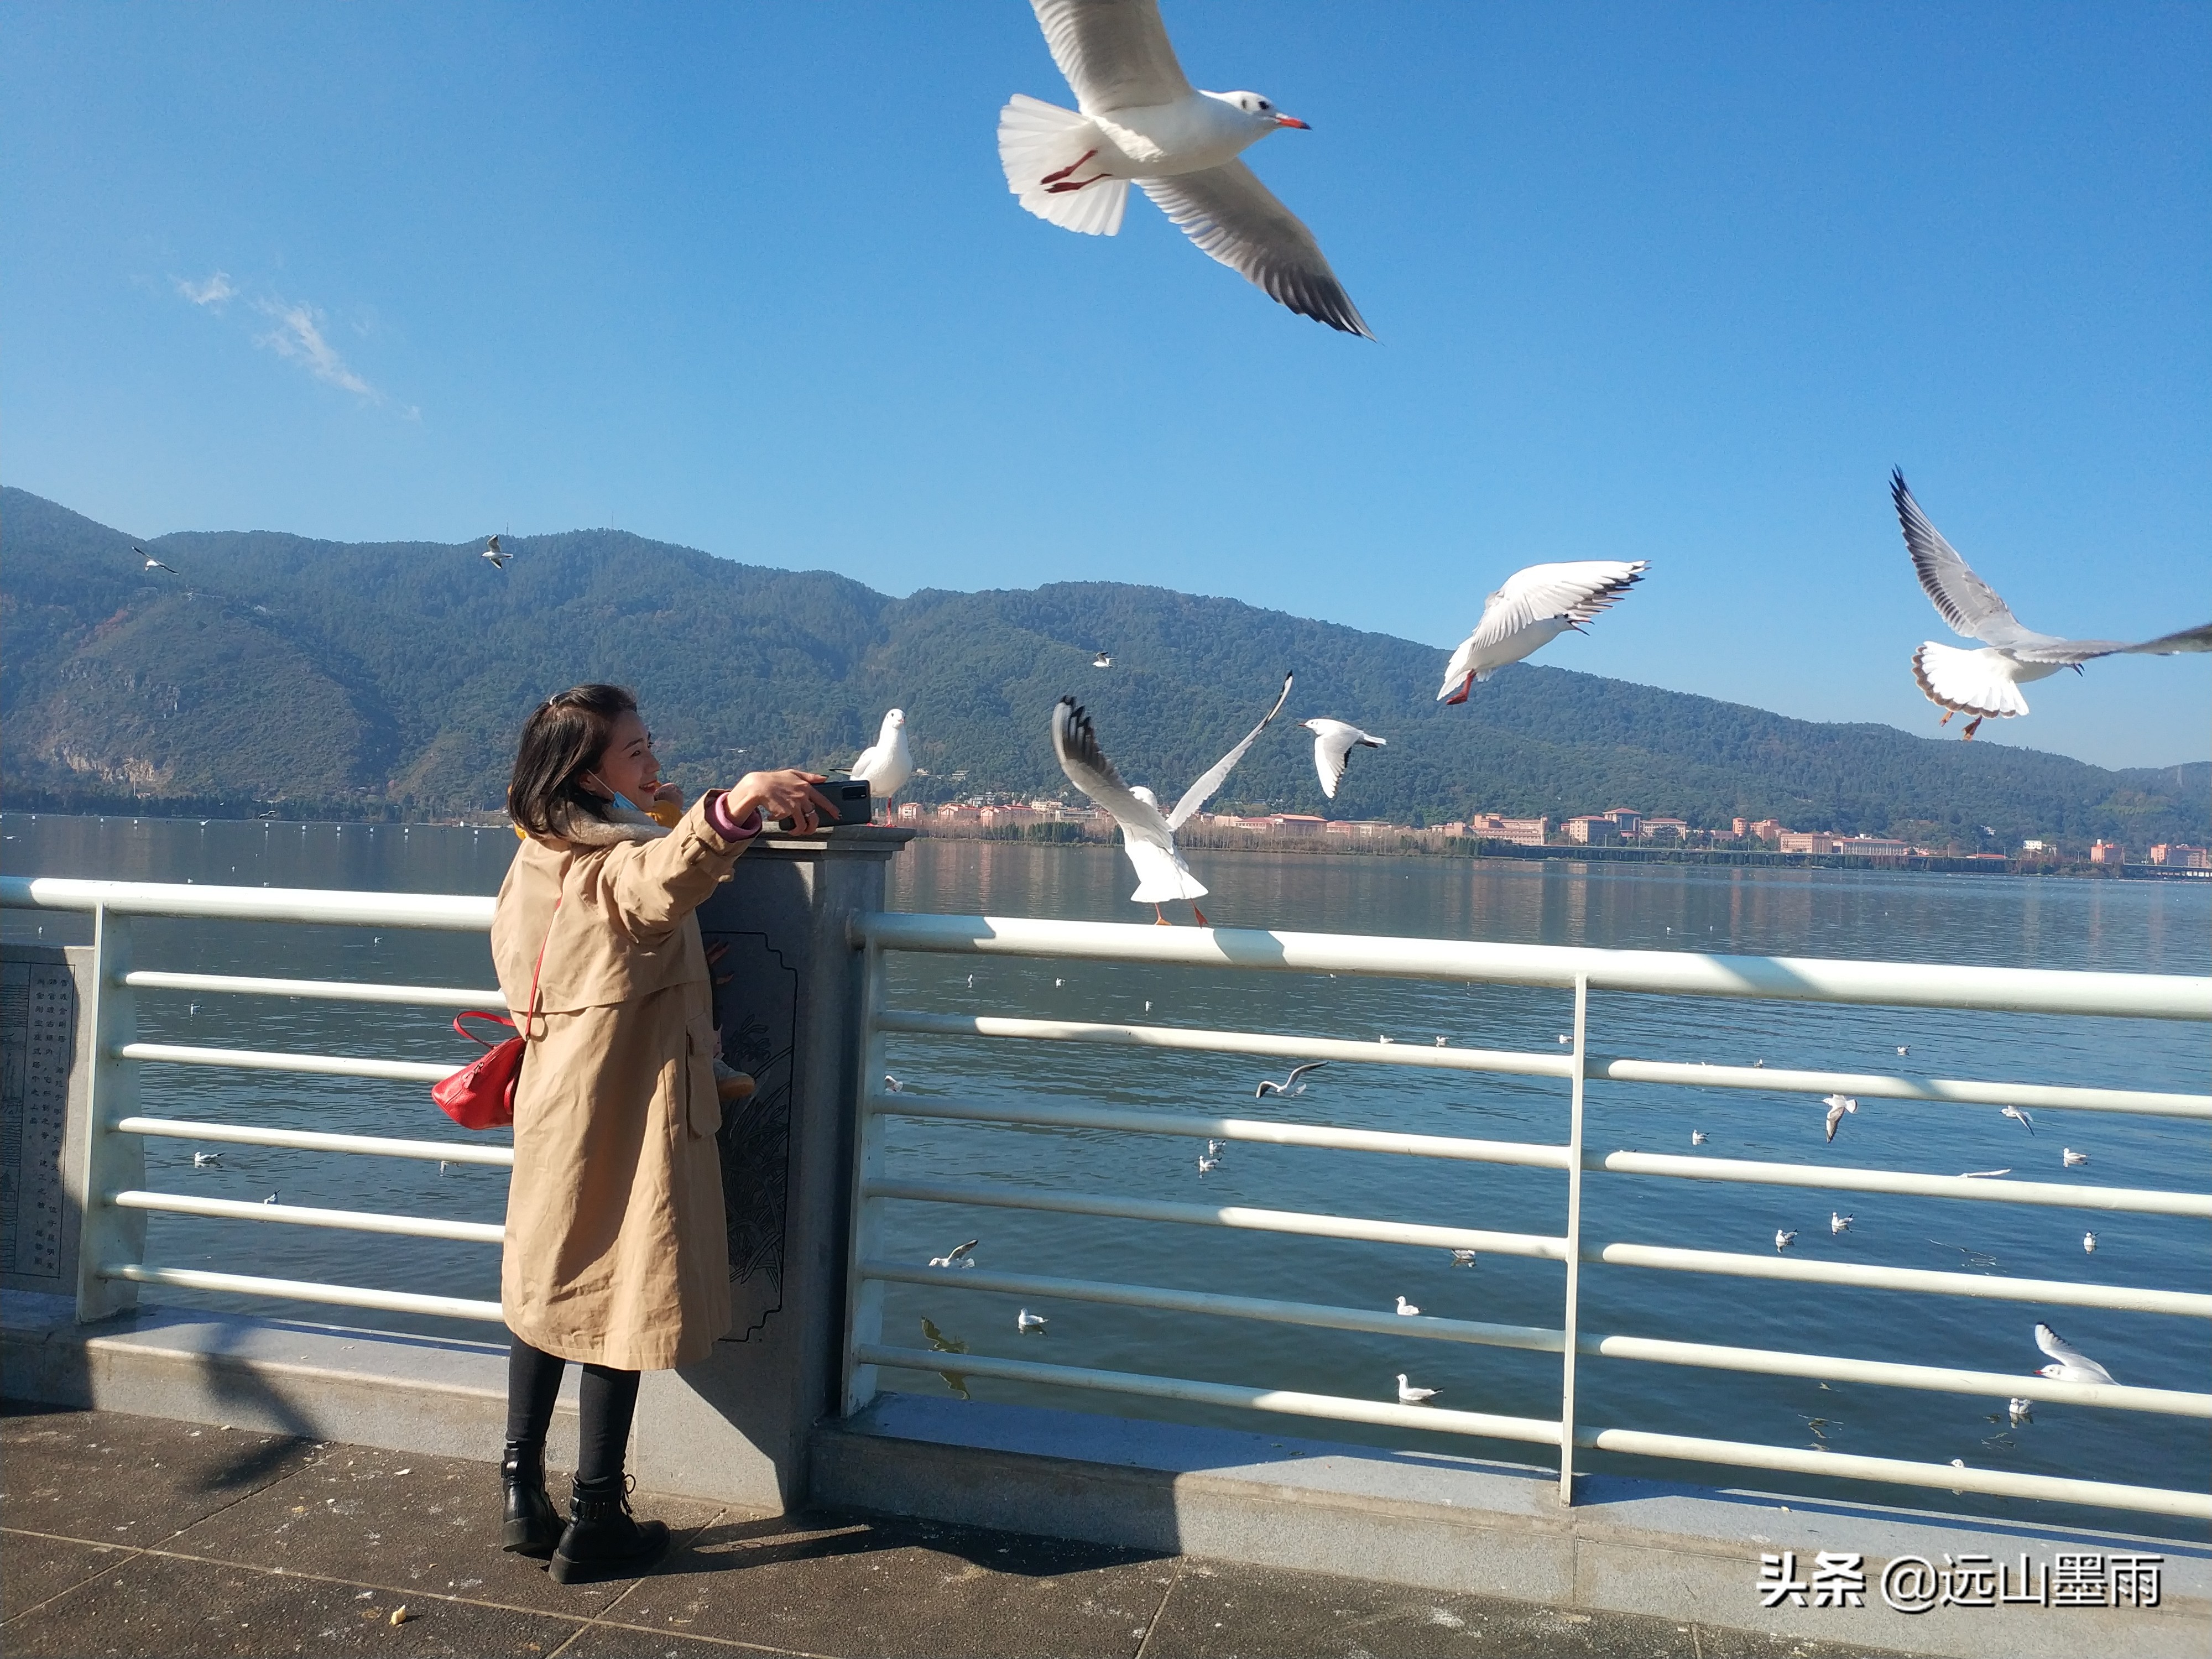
{"points": [[629, 767]]}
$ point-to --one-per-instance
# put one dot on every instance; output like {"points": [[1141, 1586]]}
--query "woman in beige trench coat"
{"points": [[616, 1252]]}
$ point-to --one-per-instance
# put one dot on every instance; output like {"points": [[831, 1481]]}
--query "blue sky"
{"points": [[1664, 283]]}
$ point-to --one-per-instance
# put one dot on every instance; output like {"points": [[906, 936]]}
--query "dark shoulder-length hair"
{"points": [[563, 738]]}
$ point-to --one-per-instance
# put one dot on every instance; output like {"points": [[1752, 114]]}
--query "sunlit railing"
{"points": [[118, 1200], [1577, 971]]}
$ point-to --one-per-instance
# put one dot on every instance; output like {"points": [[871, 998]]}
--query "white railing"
{"points": [[117, 1201], [112, 1247], [1577, 971]]}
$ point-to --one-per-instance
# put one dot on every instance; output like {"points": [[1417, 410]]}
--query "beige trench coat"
{"points": [[616, 1248]]}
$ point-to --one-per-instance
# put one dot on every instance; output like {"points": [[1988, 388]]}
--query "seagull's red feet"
{"points": [[1460, 695], [1972, 727], [1160, 918], [1199, 913]]}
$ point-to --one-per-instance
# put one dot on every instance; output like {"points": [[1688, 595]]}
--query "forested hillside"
{"points": [[271, 667]]}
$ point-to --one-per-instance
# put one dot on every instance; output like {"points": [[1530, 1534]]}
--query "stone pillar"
{"points": [[734, 1427]]}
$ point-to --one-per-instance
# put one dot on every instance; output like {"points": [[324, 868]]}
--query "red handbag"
{"points": [[481, 1095]]}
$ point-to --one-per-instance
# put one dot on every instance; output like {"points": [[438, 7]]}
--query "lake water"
{"points": [[2156, 927]]}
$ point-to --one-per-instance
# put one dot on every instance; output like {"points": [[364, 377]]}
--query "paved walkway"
{"points": [[140, 1536]]}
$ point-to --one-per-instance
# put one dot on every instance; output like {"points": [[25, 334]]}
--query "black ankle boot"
{"points": [[602, 1541], [528, 1525]]}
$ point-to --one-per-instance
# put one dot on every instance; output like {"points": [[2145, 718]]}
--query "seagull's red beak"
{"points": [[1292, 121]]}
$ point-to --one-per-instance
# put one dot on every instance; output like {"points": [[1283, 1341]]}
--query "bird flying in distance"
{"points": [[960, 1256], [1140, 121], [886, 764], [2017, 1116], [1333, 741], [496, 553], [1292, 1085], [1147, 833], [1534, 607], [1104, 660], [1986, 684], [1837, 1106], [152, 563]]}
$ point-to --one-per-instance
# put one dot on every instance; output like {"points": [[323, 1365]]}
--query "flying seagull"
{"points": [[960, 1256], [498, 556], [1291, 1084], [1147, 835], [1697, 1136], [1838, 1105], [887, 763], [1333, 745], [152, 563], [1987, 682], [1533, 608], [2071, 1364], [2017, 1116], [1140, 121]]}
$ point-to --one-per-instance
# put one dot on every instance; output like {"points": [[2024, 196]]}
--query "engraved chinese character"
{"points": [[2078, 1581], [2135, 1580], [1838, 1581], [1778, 1579], [1972, 1583]]}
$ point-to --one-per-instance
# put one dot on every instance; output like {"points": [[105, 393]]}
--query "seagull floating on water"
{"points": [[1292, 1085], [201, 1160], [1147, 835], [1333, 741], [886, 764], [1141, 122], [1207, 1165], [2017, 1116], [2069, 1363], [1026, 1320], [2089, 1243], [1904, 1048], [1784, 1238], [1839, 1223], [1463, 1258], [1838, 1105], [1410, 1395], [2068, 1157], [1534, 607], [1697, 1136], [2020, 1410], [1406, 1308], [960, 1256], [1986, 684], [892, 1085]]}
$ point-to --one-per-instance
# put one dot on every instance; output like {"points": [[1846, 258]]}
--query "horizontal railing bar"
{"points": [[1998, 1483], [1883, 1086], [358, 1221], [315, 1140], [1202, 1215], [1830, 1368], [304, 1289], [1677, 973], [2058, 1293], [912, 1022], [2138, 1200], [1195, 1126], [451, 911], [258, 1060], [1334, 1407], [323, 990], [1317, 1315]]}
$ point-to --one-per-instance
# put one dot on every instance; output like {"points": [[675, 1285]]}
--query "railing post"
{"points": [[1573, 1315], [864, 1298], [108, 1162]]}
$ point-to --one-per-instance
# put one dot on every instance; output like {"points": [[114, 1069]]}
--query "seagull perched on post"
{"points": [[1140, 122], [1333, 741], [1534, 607], [1147, 835], [886, 764], [1838, 1105], [1986, 684]]}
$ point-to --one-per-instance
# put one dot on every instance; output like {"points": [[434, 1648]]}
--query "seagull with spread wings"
{"points": [[1986, 684], [1147, 833], [153, 563], [1534, 607], [1140, 121], [1333, 741]]}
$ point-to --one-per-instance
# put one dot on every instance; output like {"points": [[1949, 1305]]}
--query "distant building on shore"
{"points": [[2108, 852], [1493, 826], [1596, 829], [2174, 855]]}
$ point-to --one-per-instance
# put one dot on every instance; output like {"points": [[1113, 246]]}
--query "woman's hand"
{"points": [[785, 794], [671, 793]]}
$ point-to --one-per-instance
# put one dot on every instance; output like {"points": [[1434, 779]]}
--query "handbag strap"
{"points": [[530, 1014]]}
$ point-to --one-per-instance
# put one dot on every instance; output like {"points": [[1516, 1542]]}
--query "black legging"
{"points": [[607, 1402]]}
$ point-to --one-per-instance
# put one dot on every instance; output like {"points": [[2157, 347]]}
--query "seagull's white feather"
{"points": [[1534, 607], [1115, 53], [886, 764], [2074, 1365], [1234, 218], [1037, 142], [1986, 682], [1333, 741], [1205, 789], [1146, 837]]}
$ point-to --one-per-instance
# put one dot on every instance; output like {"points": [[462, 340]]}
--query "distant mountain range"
{"points": [[373, 678]]}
